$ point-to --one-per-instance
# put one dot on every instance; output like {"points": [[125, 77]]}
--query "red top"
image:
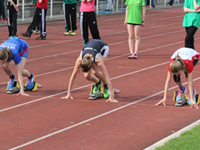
{"points": [[42, 5], [188, 55]]}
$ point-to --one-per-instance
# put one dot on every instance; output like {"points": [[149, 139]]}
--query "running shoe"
{"points": [[133, 56], [180, 94], [106, 92], [30, 83], [11, 83], [5, 19], [73, 33], [194, 97], [96, 88], [26, 34], [41, 38], [67, 33]]}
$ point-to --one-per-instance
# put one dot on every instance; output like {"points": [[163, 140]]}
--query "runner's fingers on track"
{"points": [[161, 102], [67, 97], [112, 100], [194, 105]]}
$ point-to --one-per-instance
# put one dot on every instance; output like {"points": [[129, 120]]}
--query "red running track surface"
{"points": [[45, 121]]}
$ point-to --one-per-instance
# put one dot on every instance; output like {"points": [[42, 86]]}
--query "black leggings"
{"points": [[189, 39]]}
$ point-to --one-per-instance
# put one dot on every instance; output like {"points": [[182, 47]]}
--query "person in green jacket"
{"points": [[69, 7], [191, 21]]}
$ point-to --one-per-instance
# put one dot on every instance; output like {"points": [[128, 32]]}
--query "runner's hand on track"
{"points": [[194, 104], [23, 93], [161, 102], [68, 96]]}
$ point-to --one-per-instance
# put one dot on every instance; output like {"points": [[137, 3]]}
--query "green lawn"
{"points": [[189, 140]]}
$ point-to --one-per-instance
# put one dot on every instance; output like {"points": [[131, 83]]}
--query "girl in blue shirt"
{"points": [[17, 50]]}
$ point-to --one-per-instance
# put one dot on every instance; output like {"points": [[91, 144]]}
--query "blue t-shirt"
{"points": [[18, 47]]}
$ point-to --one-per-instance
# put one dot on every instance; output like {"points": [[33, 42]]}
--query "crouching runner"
{"points": [[182, 61], [17, 50], [91, 61]]}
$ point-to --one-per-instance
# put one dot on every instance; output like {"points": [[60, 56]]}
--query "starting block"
{"points": [[185, 99], [99, 94], [16, 88], [197, 99]]}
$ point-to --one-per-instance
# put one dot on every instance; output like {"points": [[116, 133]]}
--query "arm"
{"points": [[101, 65], [125, 21], [143, 14], [19, 74], [190, 87], [16, 6], [196, 6], [72, 78], [167, 83]]}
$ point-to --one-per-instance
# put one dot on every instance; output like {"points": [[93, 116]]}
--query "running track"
{"points": [[45, 121]]}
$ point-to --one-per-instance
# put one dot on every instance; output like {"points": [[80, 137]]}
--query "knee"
{"points": [[87, 76], [177, 78]]}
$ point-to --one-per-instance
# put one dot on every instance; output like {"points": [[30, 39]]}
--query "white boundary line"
{"points": [[91, 119], [172, 136]]}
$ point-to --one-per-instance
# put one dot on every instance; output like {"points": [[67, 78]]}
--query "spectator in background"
{"points": [[109, 5], [69, 7], [134, 19], [88, 18], [12, 9], [40, 14], [37, 27], [191, 21], [171, 2], [148, 3], [3, 17]]}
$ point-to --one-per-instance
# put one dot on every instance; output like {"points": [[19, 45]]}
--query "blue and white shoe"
{"points": [[180, 94], [194, 98], [30, 83], [11, 83]]}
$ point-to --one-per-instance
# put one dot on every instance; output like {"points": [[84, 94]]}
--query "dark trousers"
{"points": [[40, 15], [189, 39], [70, 11], [88, 19], [37, 27], [12, 21], [2, 8]]}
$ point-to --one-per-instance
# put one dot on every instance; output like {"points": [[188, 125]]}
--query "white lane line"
{"points": [[90, 119], [50, 96], [172, 136]]}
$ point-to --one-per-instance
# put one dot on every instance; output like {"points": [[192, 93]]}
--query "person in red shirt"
{"points": [[40, 13], [183, 60]]}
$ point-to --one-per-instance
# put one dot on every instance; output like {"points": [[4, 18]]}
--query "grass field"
{"points": [[189, 140]]}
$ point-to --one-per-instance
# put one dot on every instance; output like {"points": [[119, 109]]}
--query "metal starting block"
{"points": [[16, 88], [99, 94]]}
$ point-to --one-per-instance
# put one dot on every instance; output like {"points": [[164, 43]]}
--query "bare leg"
{"points": [[130, 29], [137, 38]]}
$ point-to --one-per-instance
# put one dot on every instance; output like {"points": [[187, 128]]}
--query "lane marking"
{"points": [[91, 119], [174, 135]]}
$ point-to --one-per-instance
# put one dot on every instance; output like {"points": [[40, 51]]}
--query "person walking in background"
{"points": [[88, 18], [134, 19], [40, 14], [12, 9], [183, 60], [191, 21], [3, 17], [69, 8]]}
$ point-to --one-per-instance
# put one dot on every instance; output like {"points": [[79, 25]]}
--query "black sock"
{"points": [[30, 76], [98, 83], [105, 86], [12, 77]]}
